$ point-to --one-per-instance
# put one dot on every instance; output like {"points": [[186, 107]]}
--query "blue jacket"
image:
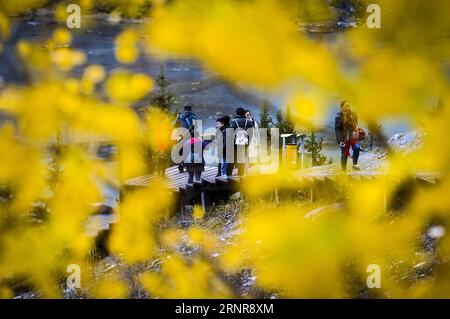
{"points": [[186, 119]]}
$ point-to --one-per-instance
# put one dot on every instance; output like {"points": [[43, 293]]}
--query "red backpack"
{"points": [[361, 134]]}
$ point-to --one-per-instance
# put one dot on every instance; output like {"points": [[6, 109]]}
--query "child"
{"points": [[194, 160]]}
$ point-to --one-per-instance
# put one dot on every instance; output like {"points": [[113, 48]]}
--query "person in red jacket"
{"points": [[347, 134]]}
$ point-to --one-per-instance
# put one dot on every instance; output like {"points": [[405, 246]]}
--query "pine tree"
{"points": [[280, 122], [289, 122], [374, 134], [264, 117], [164, 99], [314, 146], [285, 122]]}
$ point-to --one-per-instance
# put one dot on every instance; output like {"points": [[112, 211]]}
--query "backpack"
{"points": [[241, 135], [187, 121], [361, 134]]}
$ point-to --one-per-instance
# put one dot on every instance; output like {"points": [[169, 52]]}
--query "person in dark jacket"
{"points": [[238, 123], [222, 124], [187, 121], [193, 157], [346, 129]]}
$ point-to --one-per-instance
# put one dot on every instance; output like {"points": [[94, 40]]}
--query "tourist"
{"points": [[185, 120], [347, 134], [242, 127], [193, 157], [222, 124], [254, 139]]}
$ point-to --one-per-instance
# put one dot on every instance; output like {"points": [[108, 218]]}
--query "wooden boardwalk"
{"points": [[178, 181], [212, 189], [209, 190]]}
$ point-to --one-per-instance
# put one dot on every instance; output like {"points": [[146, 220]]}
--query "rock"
{"points": [[420, 265], [436, 232], [407, 142]]}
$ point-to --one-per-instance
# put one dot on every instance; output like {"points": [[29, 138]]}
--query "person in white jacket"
{"points": [[254, 140]]}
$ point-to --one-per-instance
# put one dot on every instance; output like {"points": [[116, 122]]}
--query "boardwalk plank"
{"points": [[177, 181]]}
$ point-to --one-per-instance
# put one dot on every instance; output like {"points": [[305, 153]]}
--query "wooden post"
{"points": [[181, 205], [203, 199], [241, 188], [277, 197]]}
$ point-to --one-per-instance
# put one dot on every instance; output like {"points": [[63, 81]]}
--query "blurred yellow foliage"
{"points": [[179, 279], [66, 59], [123, 86], [110, 287], [132, 237], [62, 37], [158, 129], [92, 75], [251, 42], [126, 50]]}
